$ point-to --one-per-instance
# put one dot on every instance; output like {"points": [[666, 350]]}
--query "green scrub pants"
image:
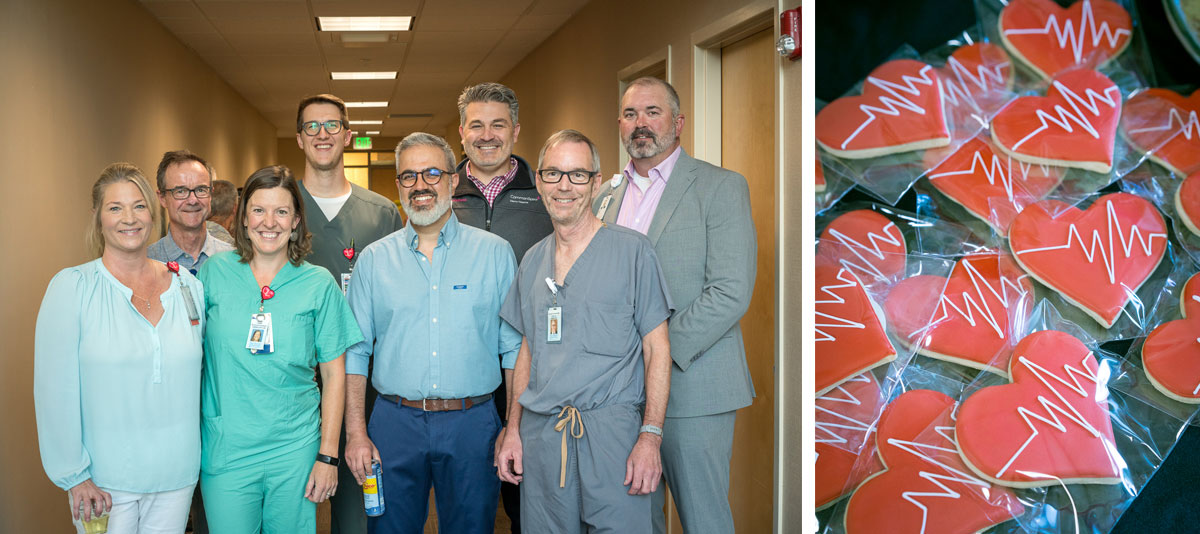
{"points": [[266, 497]]}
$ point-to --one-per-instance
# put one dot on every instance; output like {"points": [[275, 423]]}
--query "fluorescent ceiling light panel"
{"points": [[375, 132], [356, 123], [366, 104], [364, 24], [381, 75]]}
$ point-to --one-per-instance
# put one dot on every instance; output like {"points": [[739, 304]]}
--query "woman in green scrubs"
{"points": [[269, 436]]}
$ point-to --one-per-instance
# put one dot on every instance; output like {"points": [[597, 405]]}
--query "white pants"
{"points": [[165, 512]]}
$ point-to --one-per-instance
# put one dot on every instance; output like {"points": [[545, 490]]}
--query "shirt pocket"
{"points": [[295, 341], [607, 329]]}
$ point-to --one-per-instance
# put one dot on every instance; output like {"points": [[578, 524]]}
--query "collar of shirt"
{"points": [[498, 182], [445, 236], [662, 170], [207, 250]]}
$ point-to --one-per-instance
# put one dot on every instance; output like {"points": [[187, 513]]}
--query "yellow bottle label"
{"points": [[369, 486]]}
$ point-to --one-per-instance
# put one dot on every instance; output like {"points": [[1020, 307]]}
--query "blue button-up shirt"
{"points": [[434, 324], [166, 250]]}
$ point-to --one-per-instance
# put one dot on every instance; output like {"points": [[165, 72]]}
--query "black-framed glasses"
{"points": [[331, 127], [181, 192], [431, 176], [577, 177]]}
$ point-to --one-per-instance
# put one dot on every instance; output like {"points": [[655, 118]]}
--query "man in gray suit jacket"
{"points": [[697, 216]]}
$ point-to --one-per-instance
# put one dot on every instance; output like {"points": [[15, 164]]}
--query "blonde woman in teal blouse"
{"points": [[117, 355]]}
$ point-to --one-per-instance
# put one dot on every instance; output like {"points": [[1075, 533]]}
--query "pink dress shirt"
{"points": [[640, 200]]}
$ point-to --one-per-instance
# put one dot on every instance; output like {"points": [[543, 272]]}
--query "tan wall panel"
{"points": [[86, 84], [793, 458]]}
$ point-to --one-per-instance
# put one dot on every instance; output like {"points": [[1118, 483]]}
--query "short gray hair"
{"points": [[488, 92], [651, 81], [570, 136], [416, 139]]}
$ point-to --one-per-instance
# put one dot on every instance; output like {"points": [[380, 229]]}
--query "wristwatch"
{"points": [[331, 460], [651, 429]]}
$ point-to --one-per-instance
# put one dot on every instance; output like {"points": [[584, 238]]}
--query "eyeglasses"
{"points": [[431, 176], [577, 177], [181, 192], [314, 127]]}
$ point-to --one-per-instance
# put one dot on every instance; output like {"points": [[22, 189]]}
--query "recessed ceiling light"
{"points": [[366, 104], [364, 24], [381, 75], [357, 123], [375, 132]]}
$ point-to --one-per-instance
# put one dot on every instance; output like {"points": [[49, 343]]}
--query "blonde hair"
{"points": [[113, 174]]}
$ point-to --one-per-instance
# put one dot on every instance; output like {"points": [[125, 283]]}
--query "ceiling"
{"points": [[272, 53]]}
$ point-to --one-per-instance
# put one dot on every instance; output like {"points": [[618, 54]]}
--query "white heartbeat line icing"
{"points": [[889, 235], [960, 476], [1067, 34], [978, 302], [1080, 108], [1107, 252], [835, 298], [826, 431], [1051, 409], [1186, 127], [962, 81], [897, 101], [998, 169]]}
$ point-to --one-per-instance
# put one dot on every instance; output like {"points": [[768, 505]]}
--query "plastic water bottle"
{"points": [[373, 490]]}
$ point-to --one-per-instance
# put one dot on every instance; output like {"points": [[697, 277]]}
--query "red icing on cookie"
{"points": [[977, 76], [867, 243], [1050, 38], [1164, 124], [845, 424], [850, 336], [992, 186], [1171, 358], [1074, 125], [820, 174], [900, 110], [1189, 302], [1050, 426], [968, 319], [1096, 258], [926, 488], [1187, 203]]}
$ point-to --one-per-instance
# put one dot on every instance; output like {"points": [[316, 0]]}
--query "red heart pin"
{"points": [[968, 319], [1164, 125], [173, 266], [1097, 258], [348, 253], [1171, 353], [1187, 203], [1074, 125], [1050, 426], [845, 418], [267, 293], [850, 335], [1049, 38], [900, 110], [926, 487]]}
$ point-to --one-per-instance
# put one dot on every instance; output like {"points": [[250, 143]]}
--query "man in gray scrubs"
{"points": [[593, 374]]}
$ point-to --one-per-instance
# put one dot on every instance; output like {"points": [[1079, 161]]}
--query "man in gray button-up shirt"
{"points": [[185, 191]]}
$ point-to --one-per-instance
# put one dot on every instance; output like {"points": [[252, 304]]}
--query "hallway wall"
{"points": [[86, 84]]}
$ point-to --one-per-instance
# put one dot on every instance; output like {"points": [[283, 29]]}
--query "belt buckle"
{"points": [[425, 405]]}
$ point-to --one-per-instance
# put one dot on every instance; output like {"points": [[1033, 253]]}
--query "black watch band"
{"points": [[331, 460]]}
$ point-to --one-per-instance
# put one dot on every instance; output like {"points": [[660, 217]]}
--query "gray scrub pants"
{"points": [[595, 498]]}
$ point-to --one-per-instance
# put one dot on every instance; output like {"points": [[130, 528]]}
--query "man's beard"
{"points": [[654, 146], [428, 216]]}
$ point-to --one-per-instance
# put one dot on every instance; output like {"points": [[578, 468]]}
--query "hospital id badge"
{"points": [[554, 325], [260, 337], [345, 283]]}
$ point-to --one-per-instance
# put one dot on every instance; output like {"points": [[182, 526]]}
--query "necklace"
{"points": [[147, 301]]}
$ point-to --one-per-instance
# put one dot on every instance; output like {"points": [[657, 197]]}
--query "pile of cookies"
{"points": [[961, 382]]}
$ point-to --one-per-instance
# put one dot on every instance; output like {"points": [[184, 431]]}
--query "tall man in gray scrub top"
{"points": [[343, 218], [498, 195], [185, 191], [427, 299], [594, 370], [697, 216]]}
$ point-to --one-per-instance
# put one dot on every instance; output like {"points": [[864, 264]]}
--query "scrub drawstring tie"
{"points": [[569, 422]]}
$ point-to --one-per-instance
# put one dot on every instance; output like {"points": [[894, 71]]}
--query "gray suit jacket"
{"points": [[705, 240]]}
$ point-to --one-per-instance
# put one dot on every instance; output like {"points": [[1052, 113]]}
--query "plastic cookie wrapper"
{"points": [[1161, 124], [1154, 182], [831, 182]]}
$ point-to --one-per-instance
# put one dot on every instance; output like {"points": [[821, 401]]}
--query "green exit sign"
{"points": [[362, 143]]}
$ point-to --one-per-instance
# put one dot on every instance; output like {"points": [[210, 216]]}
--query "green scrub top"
{"points": [[261, 406]]}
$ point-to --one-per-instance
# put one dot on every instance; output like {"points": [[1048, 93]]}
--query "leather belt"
{"points": [[439, 405]]}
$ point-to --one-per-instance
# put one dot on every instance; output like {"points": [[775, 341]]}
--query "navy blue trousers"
{"points": [[448, 451]]}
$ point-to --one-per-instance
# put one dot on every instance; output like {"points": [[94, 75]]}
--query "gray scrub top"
{"points": [[613, 295], [365, 218]]}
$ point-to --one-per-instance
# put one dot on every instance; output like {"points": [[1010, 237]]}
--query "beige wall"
{"points": [[85, 84]]}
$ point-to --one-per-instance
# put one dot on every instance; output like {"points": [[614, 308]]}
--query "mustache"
{"points": [[426, 191], [642, 131]]}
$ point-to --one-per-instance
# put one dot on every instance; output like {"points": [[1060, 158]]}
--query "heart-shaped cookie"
{"points": [[845, 423], [900, 110], [866, 242], [819, 186], [1096, 258], [977, 76], [1187, 203], [1050, 39], [926, 487], [1074, 125], [991, 186], [1171, 353], [969, 318], [1050, 426], [850, 334], [1164, 125]]}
